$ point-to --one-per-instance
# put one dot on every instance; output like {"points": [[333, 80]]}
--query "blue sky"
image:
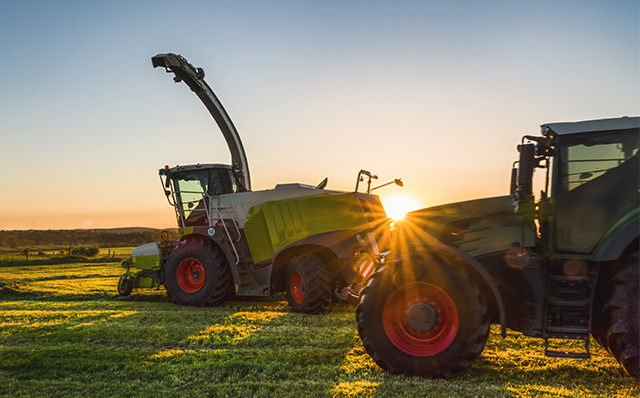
{"points": [[437, 93]]}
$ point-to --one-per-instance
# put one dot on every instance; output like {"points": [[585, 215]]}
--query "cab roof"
{"points": [[192, 167], [591, 126]]}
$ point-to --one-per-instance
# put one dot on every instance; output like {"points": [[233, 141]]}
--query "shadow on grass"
{"points": [[58, 261], [10, 293], [71, 277], [13, 292]]}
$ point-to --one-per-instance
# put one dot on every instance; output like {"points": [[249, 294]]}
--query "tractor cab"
{"points": [[591, 184]]}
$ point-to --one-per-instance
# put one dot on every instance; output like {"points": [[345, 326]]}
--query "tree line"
{"points": [[67, 237]]}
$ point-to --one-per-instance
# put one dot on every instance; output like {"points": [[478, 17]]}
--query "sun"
{"points": [[398, 205]]}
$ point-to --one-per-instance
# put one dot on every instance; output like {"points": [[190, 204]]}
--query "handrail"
{"points": [[224, 225], [233, 218]]}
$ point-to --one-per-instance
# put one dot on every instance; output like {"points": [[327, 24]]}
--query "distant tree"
{"points": [[11, 241], [85, 251]]}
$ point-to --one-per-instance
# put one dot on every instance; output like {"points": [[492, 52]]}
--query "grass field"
{"points": [[43, 252], [65, 332]]}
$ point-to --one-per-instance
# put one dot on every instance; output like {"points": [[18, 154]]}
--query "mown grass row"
{"points": [[64, 332]]}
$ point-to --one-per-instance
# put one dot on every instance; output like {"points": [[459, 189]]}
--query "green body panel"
{"points": [[143, 281], [148, 280], [478, 227], [152, 262], [275, 225], [185, 231], [147, 257]]}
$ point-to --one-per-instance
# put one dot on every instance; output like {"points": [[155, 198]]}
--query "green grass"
{"points": [[65, 332]]}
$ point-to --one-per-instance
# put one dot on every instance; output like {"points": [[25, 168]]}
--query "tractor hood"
{"points": [[445, 214], [477, 227]]}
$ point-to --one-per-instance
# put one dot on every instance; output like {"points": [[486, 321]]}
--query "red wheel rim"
{"points": [[420, 319], [190, 275], [297, 287]]}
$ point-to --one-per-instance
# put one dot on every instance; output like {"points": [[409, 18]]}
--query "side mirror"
{"points": [[514, 179], [397, 181], [527, 164]]}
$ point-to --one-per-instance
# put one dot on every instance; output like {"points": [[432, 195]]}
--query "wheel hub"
{"points": [[421, 317], [297, 287], [190, 275]]}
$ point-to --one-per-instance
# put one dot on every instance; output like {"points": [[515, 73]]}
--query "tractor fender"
{"points": [[618, 238], [476, 268]]}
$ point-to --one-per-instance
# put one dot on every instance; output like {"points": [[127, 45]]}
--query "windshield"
{"points": [[191, 189]]}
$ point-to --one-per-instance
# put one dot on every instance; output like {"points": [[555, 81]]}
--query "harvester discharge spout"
{"points": [[194, 78]]}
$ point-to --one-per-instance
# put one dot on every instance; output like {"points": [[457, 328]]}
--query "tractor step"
{"points": [[568, 303], [561, 332], [586, 354], [567, 312]]}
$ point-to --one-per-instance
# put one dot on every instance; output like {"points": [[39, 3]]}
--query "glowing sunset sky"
{"points": [[435, 93]]}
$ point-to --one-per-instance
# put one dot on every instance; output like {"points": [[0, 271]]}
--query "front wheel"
{"points": [[422, 318], [197, 273], [126, 287]]}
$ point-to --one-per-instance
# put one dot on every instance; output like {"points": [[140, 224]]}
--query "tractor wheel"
{"points": [[125, 288], [620, 316], [197, 273], [307, 284], [426, 320]]}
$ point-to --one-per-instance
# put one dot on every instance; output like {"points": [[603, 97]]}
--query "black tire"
{"points": [[197, 273], [598, 328], [619, 321], [307, 284], [125, 288], [422, 319]]}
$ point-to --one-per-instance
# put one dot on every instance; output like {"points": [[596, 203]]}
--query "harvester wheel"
{"points": [[307, 284], [125, 288], [422, 318], [619, 320], [197, 273]]}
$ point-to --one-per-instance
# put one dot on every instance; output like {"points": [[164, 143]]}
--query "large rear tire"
{"points": [[422, 318], [308, 286], [197, 273], [618, 324]]}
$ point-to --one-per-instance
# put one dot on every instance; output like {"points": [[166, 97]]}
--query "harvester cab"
{"points": [[308, 241]]}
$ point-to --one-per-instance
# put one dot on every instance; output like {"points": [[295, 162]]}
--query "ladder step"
{"points": [[561, 354], [562, 278], [569, 303], [567, 354], [568, 329]]}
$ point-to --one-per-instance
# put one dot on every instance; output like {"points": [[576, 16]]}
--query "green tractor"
{"points": [[312, 243], [562, 267]]}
